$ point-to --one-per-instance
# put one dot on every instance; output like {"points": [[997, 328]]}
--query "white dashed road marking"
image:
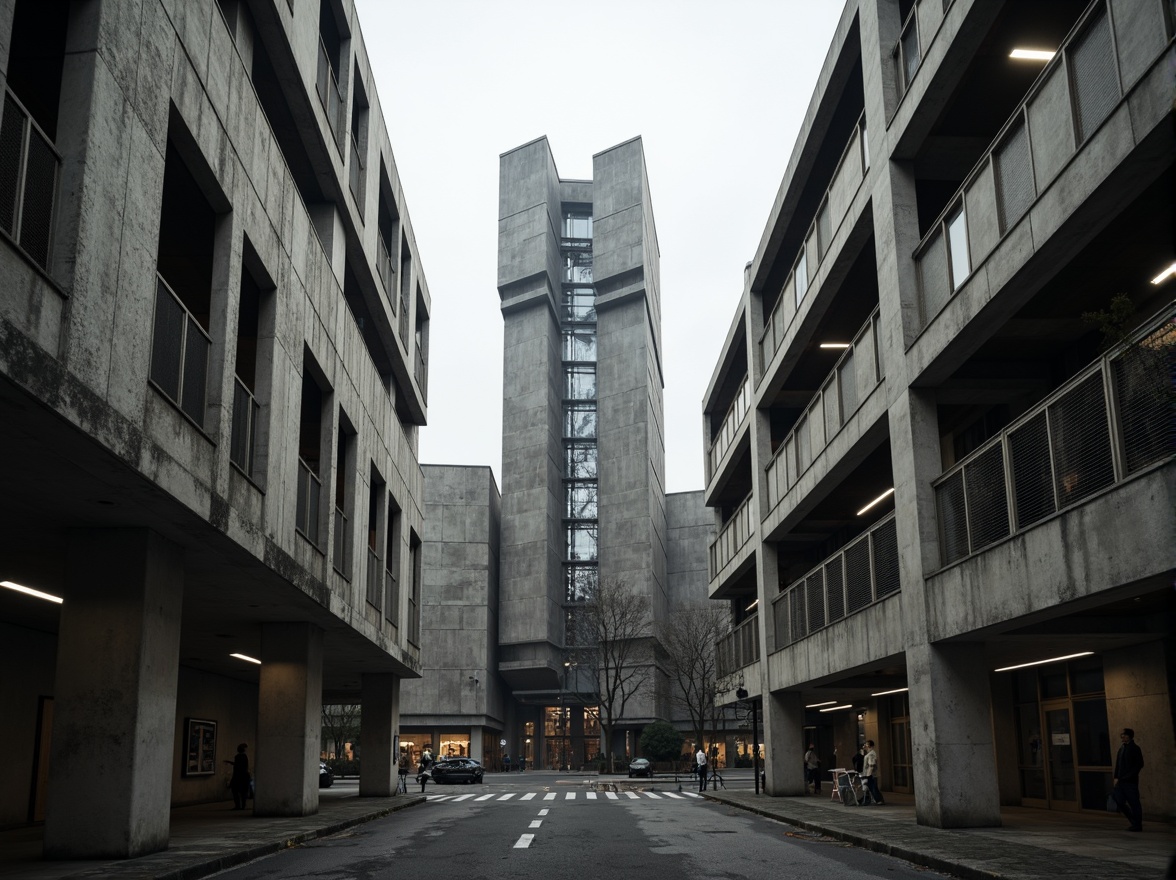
{"points": [[524, 841], [535, 823]]}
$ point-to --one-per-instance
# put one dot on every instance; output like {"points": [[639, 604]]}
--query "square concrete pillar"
{"points": [[378, 723], [289, 723], [476, 751], [115, 696], [784, 744], [956, 781]]}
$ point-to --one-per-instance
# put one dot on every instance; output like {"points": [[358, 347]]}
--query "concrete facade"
{"points": [[926, 465], [213, 367]]}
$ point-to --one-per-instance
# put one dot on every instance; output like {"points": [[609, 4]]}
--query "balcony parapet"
{"points": [[729, 430], [736, 532], [739, 648]]}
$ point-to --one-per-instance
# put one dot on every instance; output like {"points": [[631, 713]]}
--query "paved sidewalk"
{"points": [[1030, 844]]}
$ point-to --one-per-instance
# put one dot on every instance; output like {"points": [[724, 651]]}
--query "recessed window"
{"points": [[579, 344], [800, 276], [581, 542], [577, 224], [580, 420], [957, 241], [580, 461], [580, 382], [578, 267], [582, 499], [579, 304]]}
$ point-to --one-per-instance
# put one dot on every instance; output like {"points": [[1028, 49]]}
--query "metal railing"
{"points": [[179, 353], [375, 580], [907, 52], [1073, 95], [391, 598], [856, 374], [851, 170], [356, 178], [730, 427], [405, 292], [329, 92], [341, 544], [414, 622], [738, 648], [856, 576], [419, 371], [386, 272], [243, 438], [306, 516], [1107, 423], [735, 533], [29, 167]]}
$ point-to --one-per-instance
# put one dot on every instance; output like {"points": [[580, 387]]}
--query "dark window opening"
{"points": [[344, 466], [35, 59], [310, 422], [356, 175], [389, 233]]}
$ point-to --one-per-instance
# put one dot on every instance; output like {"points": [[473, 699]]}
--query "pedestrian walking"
{"points": [[239, 782], [700, 768], [522, 763], [812, 768], [506, 763], [402, 773], [1128, 763], [858, 758], [870, 776]]}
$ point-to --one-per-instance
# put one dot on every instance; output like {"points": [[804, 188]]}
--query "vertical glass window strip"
{"points": [[824, 228], [579, 344], [911, 57], [580, 582], [579, 304], [581, 542], [577, 224], [580, 382], [800, 276], [580, 420], [582, 500], [957, 238], [578, 267], [580, 461]]}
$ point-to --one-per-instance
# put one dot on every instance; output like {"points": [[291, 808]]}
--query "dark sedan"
{"points": [[456, 770], [640, 767]]}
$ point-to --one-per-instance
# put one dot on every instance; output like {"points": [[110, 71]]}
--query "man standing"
{"points": [[870, 775], [812, 767], [506, 763], [700, 762], [1128, 763]]}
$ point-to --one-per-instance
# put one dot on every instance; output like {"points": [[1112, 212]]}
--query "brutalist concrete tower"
{"points": [[583, 495]]}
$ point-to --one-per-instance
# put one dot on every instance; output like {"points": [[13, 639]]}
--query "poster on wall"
{"points": [[200, 757]]}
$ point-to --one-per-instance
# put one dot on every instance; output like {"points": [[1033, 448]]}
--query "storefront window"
{"points": [[454, 745]]}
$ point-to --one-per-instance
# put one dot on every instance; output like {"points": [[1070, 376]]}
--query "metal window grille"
{"points": [[328, 91], [847, 376], [307, 508], [340, 543], [824, 228], [1033, 494], [886, 571], [375, 585], [391, 598], [816, 423], [859, 590], [1095, 82], [242, 442], [933, 283], [988, 506], [953, 518], [835, 589], [863, 355], [355, 175], [196, 348], [386, 272], [796, 614], [28, 181], [179, 353], [815, 590], [1081, 442], [780, 620], [832, 408], [1014, 176], [1143, 376], [803, 449]]}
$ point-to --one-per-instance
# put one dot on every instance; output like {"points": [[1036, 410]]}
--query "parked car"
{"points": [[326, 777], [456, 770], [640, 767]]}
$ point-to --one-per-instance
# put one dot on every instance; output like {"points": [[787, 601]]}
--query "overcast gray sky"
{"points": [[717, 92]]}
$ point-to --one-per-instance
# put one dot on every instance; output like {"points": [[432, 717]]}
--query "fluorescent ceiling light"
{"points": [[752, 605], [837, 708], [834, 345], [880, 498], [29, 591], [815, 705], [1171, 270], [1032, 54], [1040, 662], [246, 658], [884, 693]]}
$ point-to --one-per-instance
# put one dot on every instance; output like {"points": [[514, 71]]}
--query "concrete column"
{"points": [[956, 782], [115, 696], [289, 723], [378, 723], [476, 743], [784, 744]]}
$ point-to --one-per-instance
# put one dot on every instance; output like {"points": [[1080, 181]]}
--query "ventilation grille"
{"points": [[1092, 68], [1014, 177], [1032, 477], [988, 507], [1081, 442]]}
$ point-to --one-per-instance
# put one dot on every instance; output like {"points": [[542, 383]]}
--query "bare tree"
{"points": [[689, 637], [611, 638], [340, 726]]}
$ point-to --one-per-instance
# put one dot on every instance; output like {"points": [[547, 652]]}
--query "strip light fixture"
{"points": [[246, 658], [815, 705], [1042, 662], [895, 691], [752, 605], [834, 345], [29, 591], [838, 708], [1032, 54], [877, 500], [1171, 270]]}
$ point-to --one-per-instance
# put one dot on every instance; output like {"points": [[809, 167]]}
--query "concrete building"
{"points": [[213, 348], [583, 496], [946, 503]]}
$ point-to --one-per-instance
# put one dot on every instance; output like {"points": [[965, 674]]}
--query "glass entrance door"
{"points": [[1060, 769]]}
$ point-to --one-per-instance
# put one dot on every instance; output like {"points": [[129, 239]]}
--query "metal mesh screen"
{"points": [[375, 585], [886, 574], [1092, 69], [1014, 176], [796, 614], [803, 449], [11, 139], [824, 229], [863, 356], [196, 347], [832, 408], [36, 213], [1143, 391], [988, 505], [933, 283], [816, 423], [857, 575], [780, 619], [302, 503], [1033, 497], [815, 588], [314, 489], [239, 439], [847, 375], [391, 598], [1081, 442], [953, 518], [835, 589], [166, 341]]}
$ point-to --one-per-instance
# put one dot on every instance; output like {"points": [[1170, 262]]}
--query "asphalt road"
{"points": [[550, 835]]}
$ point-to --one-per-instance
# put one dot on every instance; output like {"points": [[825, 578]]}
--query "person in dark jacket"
{"points": [[239, 783], [1128, 763]]}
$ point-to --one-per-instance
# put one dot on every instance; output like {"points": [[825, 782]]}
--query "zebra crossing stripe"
{"points": [[611, 795], [527, 796], [484, 797], [656, 797], [536, 823], [550, 796], [507, 797], [524, 841], [676, 797], [570, 796], [591, 795], [691, 794], [631, 795], [462, 797]]}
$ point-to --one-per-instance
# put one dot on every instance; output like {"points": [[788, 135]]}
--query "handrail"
{"points": [[732, 420], [733, 536]]}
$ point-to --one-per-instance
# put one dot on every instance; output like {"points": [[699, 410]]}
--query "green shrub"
{"points": [[661, 741]]}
